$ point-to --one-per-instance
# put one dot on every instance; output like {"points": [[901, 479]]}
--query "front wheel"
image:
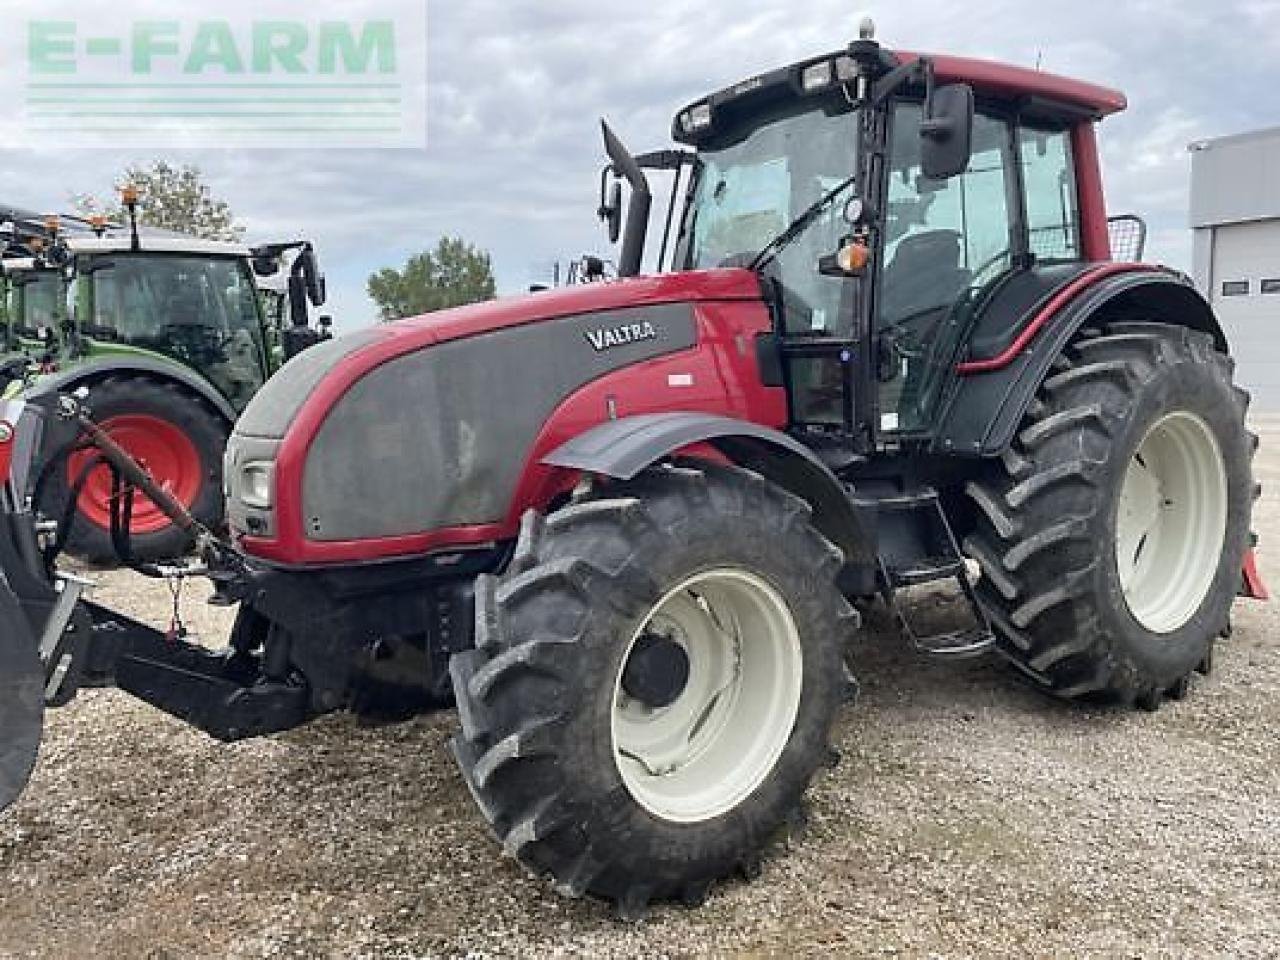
{"points": [[654, 683]]}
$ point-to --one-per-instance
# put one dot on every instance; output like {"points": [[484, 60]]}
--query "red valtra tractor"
{"points": [[628, 525]]}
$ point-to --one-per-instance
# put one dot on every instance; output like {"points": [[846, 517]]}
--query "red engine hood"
{"points": [[734, 284]]}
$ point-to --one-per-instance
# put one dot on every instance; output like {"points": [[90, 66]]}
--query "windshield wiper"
{"points": [[800, 224]]}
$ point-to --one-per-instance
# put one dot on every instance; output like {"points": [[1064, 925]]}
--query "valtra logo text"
{"points": [[609, 337]]}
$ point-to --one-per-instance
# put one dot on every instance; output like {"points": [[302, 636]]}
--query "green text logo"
{"points": [[98, 76]]}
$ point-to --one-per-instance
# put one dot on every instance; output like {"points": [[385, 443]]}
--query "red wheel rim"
{"points": [[158, 445]]}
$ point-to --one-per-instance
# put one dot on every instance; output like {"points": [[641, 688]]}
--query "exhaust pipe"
{"points": [[624, 165]]}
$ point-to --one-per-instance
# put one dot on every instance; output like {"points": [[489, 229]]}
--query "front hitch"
{"points": [[54, 641]]}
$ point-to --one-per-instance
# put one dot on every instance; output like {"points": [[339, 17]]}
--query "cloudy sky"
{"points": [[516, 89]]}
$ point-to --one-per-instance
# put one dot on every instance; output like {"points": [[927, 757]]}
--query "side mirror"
{"points": [[947, 132], [611, 211], [309, 266], [298, 314]]}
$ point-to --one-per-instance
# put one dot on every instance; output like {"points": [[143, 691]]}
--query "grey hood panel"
{"points": [[439, 437], [271, 411]]}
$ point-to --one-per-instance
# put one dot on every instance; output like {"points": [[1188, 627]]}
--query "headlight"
{"points": [[696, 118], [816, 77], [257, 484]]}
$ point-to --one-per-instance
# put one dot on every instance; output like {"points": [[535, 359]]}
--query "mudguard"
{"points": [[622, 448], [68, 381], [992, 393], [21, 697]]}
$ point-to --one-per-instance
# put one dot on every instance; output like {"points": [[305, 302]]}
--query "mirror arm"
{"points": [[926, 66], [917, 71], [665, 159]]}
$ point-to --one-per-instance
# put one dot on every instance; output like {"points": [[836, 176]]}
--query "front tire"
{"points": [[1111, 536], [176, 436], [654, 683]]}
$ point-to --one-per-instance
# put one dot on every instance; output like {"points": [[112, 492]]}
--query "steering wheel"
{"points": [[201, 343]]}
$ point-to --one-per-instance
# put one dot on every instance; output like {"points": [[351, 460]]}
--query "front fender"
{"points": [[623, 448], [69, 380]]}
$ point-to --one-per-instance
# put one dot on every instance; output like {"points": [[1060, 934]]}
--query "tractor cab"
{"points": [[190, 301], [882, 198], [33, 289], [35, 304]]}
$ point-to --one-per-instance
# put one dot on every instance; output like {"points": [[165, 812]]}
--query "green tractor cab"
{"points": [[167, 338]]}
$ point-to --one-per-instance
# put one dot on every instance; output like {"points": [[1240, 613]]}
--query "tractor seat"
{"points": [[924, 274]]}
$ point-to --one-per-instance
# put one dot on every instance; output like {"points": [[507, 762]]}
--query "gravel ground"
{"points": [[970, 817]]}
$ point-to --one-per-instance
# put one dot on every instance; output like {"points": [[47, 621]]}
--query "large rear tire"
{"points": [[654, 683], [1112, 534], [176, 436]]}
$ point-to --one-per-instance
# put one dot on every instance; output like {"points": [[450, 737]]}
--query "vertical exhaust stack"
{"points": [[625, 166]]}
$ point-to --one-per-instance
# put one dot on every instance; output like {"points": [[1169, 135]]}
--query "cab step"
{"points": [[918, 546]]}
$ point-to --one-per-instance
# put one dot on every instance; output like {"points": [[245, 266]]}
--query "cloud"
{"points": [[516, 90]]}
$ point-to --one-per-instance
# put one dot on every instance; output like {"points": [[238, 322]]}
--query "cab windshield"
{"points": [[754, 182], [201, 311]]}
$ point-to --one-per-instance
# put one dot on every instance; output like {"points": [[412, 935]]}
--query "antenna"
{"points": [[129, 196]]}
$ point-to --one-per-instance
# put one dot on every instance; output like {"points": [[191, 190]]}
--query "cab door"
{"points": [[945, 243]]}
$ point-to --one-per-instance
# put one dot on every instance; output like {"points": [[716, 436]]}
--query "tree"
{"points": [[453, 274], [169, 198]]}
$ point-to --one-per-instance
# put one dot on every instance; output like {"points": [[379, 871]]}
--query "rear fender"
{"points": [[992, 394], [623, 448]]}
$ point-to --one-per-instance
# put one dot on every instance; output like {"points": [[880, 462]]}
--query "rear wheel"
{"points": [[654, 683], [176, 437], [1111, 539]]}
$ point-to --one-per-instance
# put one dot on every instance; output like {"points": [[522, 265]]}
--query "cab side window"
{"points": [[1053, 214]]}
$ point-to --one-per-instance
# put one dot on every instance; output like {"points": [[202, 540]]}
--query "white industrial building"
{"points": [[1235, 213]]}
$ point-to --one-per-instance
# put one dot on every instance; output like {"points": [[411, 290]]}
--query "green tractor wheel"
{"points": [[175, 436]]}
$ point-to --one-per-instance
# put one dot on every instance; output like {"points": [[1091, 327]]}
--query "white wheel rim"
{"points": [[712, 747], [1171, 522]]}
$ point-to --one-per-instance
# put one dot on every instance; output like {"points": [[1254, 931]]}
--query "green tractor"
{"points": [[166, 338]]}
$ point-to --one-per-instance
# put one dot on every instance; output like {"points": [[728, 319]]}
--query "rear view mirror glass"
{"points": [[947, 132]]}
